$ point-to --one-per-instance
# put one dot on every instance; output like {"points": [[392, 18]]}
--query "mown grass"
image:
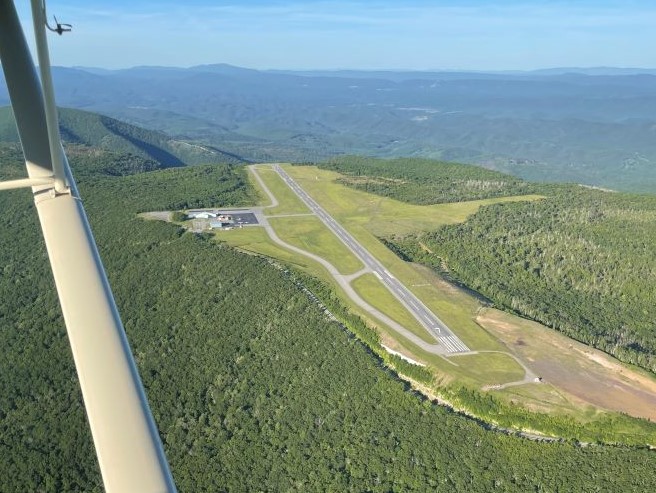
{"points": [[367, 216], [549, 399], [490, 368], [263, 198], [288, 201], [254, 239], [383, 216], [377, 295], [310, 234]]}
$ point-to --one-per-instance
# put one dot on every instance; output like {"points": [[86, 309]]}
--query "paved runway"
{"points": [[428, 319]]}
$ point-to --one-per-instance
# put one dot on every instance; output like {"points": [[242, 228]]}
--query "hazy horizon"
{"points": [[357, 69]]}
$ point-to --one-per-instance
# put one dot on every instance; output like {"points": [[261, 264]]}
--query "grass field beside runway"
{"points": [[383, 216], [365, 216], [372, 290], [255, 239], [490, 368], [288, 201], [310, 234]]}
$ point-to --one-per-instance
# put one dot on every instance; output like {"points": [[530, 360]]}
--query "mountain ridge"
{"points": [[589, 125], [95, 130]]}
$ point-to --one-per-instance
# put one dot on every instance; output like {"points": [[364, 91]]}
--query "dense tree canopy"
{"points": [[581, 261], [253, 388]]}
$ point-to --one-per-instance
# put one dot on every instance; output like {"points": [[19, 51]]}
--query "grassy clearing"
{"points": [[263, 198], [310, 234], [546, 398], [256, 240], [383, 216], [366, 216], [490, 368], [288, 201], [471, 370], [373, 292], [455, 307]]}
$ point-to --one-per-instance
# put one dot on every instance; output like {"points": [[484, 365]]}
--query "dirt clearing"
{"points": [[573, 367]]}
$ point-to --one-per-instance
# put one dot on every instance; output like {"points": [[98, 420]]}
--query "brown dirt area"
{"points": [[587, 374]]}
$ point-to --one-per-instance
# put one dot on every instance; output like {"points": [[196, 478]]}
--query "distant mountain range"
{"points": [[399, 75], [595, 126]]}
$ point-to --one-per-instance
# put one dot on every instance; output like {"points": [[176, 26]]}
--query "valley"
{"points": [[572, 125]]}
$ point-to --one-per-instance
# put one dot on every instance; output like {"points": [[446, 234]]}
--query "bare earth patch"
{"points": [[586, 373]]}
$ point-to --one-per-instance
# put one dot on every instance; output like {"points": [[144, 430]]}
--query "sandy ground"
{"points": [[589, 375]]}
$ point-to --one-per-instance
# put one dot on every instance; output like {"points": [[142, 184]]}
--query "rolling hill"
{"points": [[593, 126], [94, 130], [580, 260]]}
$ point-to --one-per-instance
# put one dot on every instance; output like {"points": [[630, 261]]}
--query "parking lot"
{"points": [[242, 218]]}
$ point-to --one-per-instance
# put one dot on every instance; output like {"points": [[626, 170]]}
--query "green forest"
{"points": [[581, 260], [253, 388]]}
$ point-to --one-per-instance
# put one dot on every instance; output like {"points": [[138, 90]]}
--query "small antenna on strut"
{"points": [[60, 29]]}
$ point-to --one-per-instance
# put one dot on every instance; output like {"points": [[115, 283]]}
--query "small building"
{"points": [[202, 215]]}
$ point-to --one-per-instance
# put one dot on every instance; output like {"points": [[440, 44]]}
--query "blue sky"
{"points": [[378, 34]]}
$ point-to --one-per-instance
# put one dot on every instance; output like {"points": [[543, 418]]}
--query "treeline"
{"points": [[581, 261], [425, 181], [492, 412], [93, 161], [252, 387], [497, 414], [88, 161], [217, 184]]}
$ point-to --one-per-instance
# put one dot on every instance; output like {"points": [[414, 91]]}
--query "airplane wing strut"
{"points": [[127, 443]]}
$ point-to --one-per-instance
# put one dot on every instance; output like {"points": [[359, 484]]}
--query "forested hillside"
{"points": [[425, 181], [581, 261], [251, 387], [103, 132], [592, 127]]}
